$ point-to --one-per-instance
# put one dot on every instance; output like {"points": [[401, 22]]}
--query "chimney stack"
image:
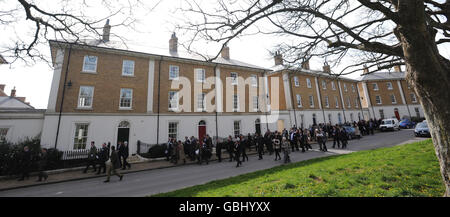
{"points": [[398, 68], [13, 92], [225, 52], [366, 70], [173, 44], [326, 68], [278, 59], [106, 31], [305, 65]]}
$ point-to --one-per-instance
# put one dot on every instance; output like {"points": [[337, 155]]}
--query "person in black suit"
{"points": [[25, 163], [230, 147], [243, 146], [237, 151], [260, 146], [103, 156], [219, 151], [125, 151]]}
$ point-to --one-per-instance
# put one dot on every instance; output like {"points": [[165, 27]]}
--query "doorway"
{"points": [[397, 115], [201, 130], [123, 132], [258, 126]]}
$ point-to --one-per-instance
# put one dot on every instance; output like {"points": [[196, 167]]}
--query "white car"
{"points": [[389, 124]]}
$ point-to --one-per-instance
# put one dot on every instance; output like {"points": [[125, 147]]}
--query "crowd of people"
{"points": [[277, 143], [109, 159]]}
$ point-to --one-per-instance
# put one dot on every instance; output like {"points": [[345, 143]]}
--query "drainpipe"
{"points": [[62, 97], [321, 103], [359, 100], [406, 100], [292, 99], [159, 100], [342, 100], [215, 86]]}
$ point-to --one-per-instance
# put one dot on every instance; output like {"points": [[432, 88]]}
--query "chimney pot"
{"points": [[173, 44], [305, 65], [278, 59], [13, 92], [226, 52], [327, 68], [106, 31]]}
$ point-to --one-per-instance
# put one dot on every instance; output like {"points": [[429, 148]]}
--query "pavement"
{"points": [[157, 177]]}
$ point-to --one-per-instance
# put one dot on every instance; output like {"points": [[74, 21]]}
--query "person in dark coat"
{"points": [[237, 151], [42, 164], [113, 164], [230, 148], [125, 152], [277, 144], [243, 146], [336, 137], [103, 156], [219, 151], [344, 138], [268, 138], [92, 158], [25, 163], [260, 146]]}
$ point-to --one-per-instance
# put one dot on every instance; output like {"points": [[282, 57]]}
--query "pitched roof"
{"points": [[279, 68], [7, 102], [139, 48], [383, 76]]}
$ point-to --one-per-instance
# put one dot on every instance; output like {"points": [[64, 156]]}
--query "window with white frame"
{"points": [[375, 86], [85, 97], [353, 88], [308, 83], [174, 72], [126, 98], [345, 88], [173, 130], [3, 133], [234, 78], [201, 102], [80, 136], [235, 103], [255, 103], [200, 74], [173, 100], [378, 99], [299, 101], [333, 86], [237, 128], [389, 86], [296, 81], [324, 85], [254, 80], [90, 64], [336, 101], [311, 101], [128, 68], [413, 97], [394, 101], [327, 102]]}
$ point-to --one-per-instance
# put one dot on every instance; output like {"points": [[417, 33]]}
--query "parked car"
{"points": [[407, 124], [389, 124], [422, 129], [350, 132]]}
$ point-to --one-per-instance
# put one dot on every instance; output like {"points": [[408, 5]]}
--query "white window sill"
{"points": [[125, 109], [130, 76], [174, 79], [173, 110], [89, 72], [84, 108]]}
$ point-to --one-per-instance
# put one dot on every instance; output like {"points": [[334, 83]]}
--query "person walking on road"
{"points": [[230, 148], [42, 163], [285, 145], [103, 156], [112, 165], [243, 146], [92, 158], [237, 151], [180, 153], [260, 146], [124, 152], [219, 151], [277, 147], [25, 163]]}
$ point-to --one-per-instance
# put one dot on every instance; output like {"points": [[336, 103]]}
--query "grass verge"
{"points": [[400, 171]]}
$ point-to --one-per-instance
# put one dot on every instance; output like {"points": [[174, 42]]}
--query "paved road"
{"points": [[165, 180]]}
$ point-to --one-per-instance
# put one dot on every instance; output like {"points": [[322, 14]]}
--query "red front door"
{"points": [[397, 115], [201, 132]]}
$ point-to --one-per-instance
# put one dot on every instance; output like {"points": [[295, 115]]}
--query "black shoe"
{"points": [[106, 181], [84, 171], [121, 177]]}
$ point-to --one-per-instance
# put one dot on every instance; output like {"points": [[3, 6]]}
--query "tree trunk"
{"points": [[429, 73]]}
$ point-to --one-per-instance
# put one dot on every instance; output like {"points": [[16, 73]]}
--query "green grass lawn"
{"points": [[406, 170]]}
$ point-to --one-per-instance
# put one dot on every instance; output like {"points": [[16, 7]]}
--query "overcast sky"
{"points": [[152, 30]]}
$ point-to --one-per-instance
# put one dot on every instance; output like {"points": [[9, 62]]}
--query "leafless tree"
{"points": [[377, 34], [61, 20]]}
